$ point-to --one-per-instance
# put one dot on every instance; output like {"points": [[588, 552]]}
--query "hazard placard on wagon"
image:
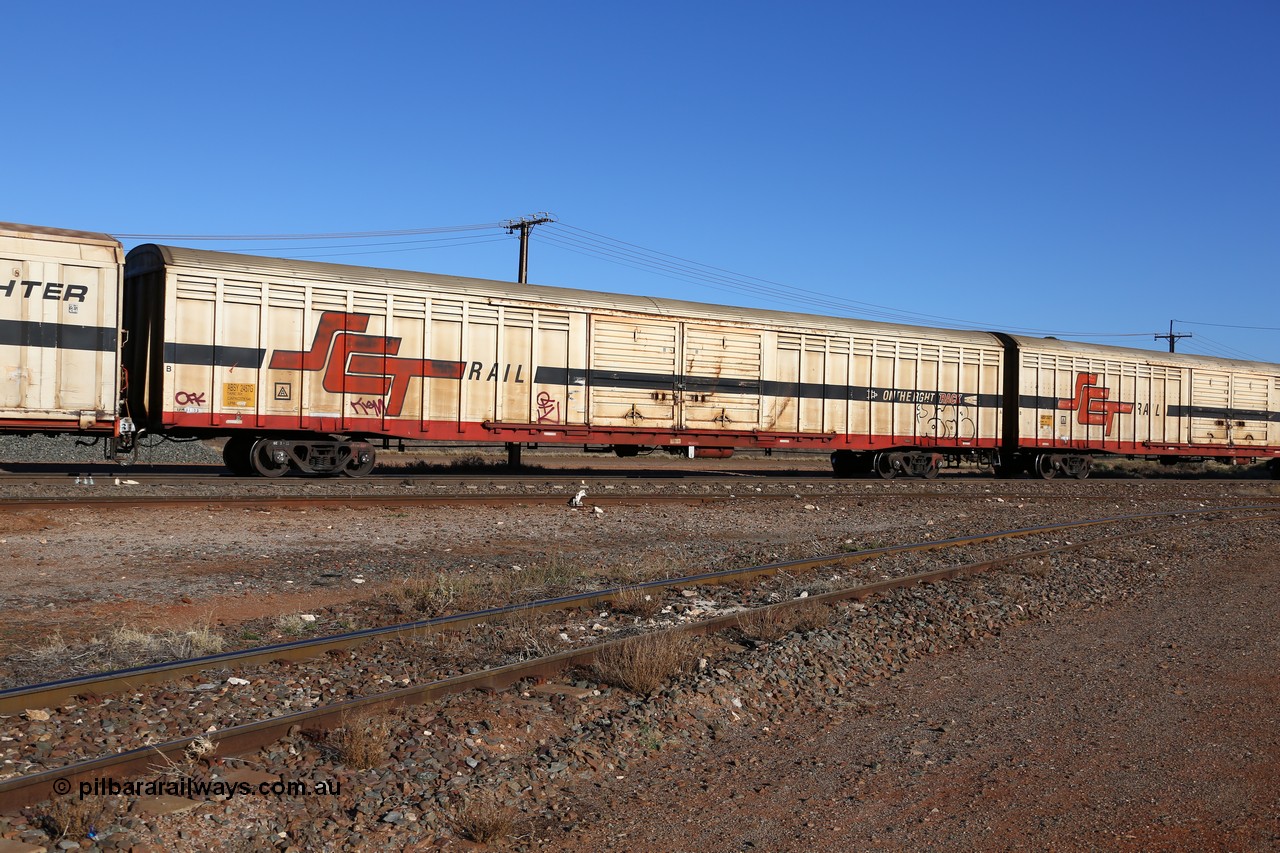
{"points": [[241, 395]]}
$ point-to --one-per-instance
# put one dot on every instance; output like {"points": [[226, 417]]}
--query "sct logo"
{"points": [[356, 363], [1091, 404]]}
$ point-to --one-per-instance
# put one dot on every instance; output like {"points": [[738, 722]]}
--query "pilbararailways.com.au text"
{"points": [[193, 789]]}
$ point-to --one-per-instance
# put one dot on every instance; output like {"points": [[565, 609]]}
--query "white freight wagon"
{"points": [[1075, 399], [303, 361], [59, 330]]}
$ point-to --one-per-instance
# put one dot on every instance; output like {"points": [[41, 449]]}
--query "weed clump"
{"points": [[361, 741], [644, 663], [637, 602], [484, 820], [73, 817]]}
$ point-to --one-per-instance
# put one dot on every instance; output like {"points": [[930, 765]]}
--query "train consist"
{"points": [[299, 365]]}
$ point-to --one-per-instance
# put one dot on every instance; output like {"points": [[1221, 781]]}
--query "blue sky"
{"points": [[1083, 167]]}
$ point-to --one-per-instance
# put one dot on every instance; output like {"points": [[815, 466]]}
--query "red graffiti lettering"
{"points": [[369, 408], [548, 409], [189, 398], [1091, 404]]}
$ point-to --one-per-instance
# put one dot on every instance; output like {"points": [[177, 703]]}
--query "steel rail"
{"points": [[237, 740], [131, 502], [49, 694]]}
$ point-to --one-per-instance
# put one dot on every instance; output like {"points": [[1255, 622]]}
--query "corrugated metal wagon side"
{"points": [[300, 362], [1077, 400], [59, 330]]}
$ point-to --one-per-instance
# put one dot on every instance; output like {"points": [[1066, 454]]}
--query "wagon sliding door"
{"points": [[721, 379], [632, 372], [1228, 409]]}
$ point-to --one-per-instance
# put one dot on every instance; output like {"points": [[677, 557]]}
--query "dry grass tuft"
{"points": [[72, 817], [123, 647], [768, 624], [51, 653], [438, 594], [293, 625], [553, 575], [201, 747], [521, 634], [811, 616], [637, 602], [485, 820], [134, 647], [642, 664], [361, 741]]}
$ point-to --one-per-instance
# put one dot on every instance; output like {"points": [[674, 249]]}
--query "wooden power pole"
{"points": [[524, 226]]}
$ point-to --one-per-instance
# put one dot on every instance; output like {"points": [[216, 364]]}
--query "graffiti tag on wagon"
{"points": [[189, 398], [548, 409], [369, 408]]}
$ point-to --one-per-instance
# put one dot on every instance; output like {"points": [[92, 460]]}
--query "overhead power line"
{"points": [[621, 252], [338, 235], [1229, 326]]}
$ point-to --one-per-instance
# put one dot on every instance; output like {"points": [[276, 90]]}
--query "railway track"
{"points": [[239, 738], [599, 492]]}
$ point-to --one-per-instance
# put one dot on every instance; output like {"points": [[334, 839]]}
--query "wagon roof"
{"points": [[1128, 354], [64, 235], [532, 294]]}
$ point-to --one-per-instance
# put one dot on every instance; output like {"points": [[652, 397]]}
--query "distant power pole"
{"points": [[1171, 337], [524, 226]]}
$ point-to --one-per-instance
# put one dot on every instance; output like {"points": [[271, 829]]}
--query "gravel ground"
{"points": [[1124, 699]]}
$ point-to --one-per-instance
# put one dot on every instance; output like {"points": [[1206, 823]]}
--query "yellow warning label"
{"points": [[1046, 421], [242, 395]]}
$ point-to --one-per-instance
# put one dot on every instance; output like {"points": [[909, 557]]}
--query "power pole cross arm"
{"points": [[524, 225]]}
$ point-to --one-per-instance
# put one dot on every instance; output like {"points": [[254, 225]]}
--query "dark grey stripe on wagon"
{"points": [[756, 387], [206, 354], [24, 333], [1029, 401], [1220, 414]]}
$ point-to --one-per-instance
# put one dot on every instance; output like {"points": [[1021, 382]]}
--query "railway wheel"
{"points": [[362, 462], [235, 455], [884, 466], [1082, 473], [932, 467], [268, 459], [1044, 467]]}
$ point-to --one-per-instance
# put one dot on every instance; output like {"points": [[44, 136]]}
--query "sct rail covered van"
{"points": [[299, 364]]}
